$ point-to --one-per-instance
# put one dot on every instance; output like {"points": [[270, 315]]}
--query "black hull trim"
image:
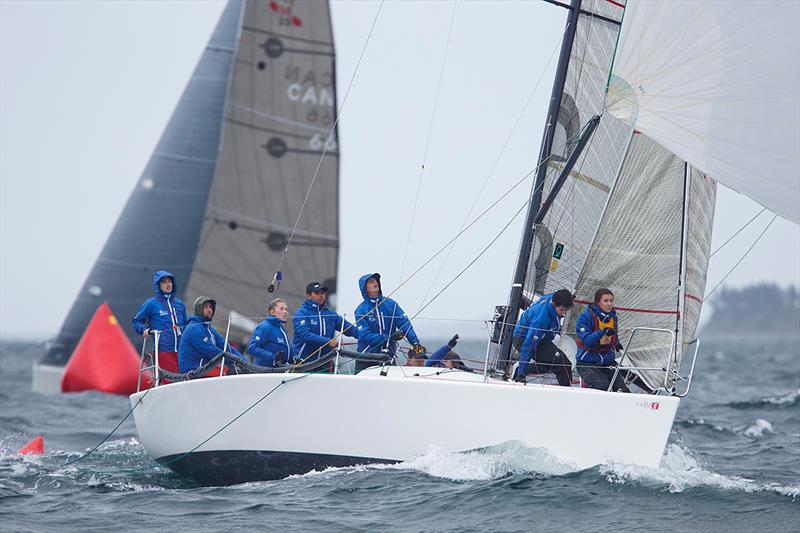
{"points": [[229, 467]]}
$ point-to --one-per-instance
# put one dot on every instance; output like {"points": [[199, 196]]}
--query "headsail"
{"points": [[217, 201], [716, 83]]}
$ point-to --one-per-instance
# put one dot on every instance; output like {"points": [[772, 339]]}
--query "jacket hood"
{"points": [[199, 302], [362, 284], [196, 320], [275, 321], [158, 276]]}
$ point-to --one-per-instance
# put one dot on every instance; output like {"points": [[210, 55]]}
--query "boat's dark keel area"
{"points": [[229, 467]]}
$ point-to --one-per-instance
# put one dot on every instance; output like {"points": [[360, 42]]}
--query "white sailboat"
{"points": [[651, 100]]}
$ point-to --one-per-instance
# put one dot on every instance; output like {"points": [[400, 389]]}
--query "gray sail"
{"points": [[652, 251], [225, 180], [160, 225], [279, 113]]}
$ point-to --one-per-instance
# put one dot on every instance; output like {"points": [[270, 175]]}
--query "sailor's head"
{"points": [[278, 309], [604, 299], [205, 307], [373, 286], [416, 359], [165, 284], [316, 292], [562, 301], [452, 360]]}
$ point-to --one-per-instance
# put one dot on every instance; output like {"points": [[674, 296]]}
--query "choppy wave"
{"points": [[789, 399]]}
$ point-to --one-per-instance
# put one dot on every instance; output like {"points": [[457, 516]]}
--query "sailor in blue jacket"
{"points": [[270, 345], [597, 342], [315, 326], [166, 314], [381, 321], [545, 316], [446, 357], [200, 342]]}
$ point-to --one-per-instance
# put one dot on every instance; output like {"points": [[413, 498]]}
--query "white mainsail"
{"points": [[717, 84]]}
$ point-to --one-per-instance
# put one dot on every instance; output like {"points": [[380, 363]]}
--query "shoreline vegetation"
{"points": [[764, 309]]}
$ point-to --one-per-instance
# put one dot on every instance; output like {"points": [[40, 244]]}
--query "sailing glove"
{"points": [[608, 331], [280, 357], [396, 336], [418, 349], [452, 343]]}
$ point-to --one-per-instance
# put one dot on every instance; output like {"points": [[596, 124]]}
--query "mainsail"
{"points": [[217, 201], [702, 87]]}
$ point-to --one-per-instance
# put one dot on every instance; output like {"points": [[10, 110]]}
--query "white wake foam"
{"points": [[680, 471], [757, 429]]}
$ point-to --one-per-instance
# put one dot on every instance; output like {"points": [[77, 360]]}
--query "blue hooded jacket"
{"points": [[524, 322], [163, 312], [314, 326], [269, 338], [543, 324], [200, 343], [589, 338], [378, 318]]}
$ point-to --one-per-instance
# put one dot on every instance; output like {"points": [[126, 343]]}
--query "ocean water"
{"points": [[732, 464]]}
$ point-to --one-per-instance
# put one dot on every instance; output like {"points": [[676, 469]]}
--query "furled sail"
{"points": [[716, 83], [217, 200], [280, 111]]}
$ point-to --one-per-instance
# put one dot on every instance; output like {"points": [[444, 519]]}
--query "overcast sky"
{"points": [[87, 87]]}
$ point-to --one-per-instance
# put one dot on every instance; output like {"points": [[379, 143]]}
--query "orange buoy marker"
{"points": [[34, 447], [104, 358]]}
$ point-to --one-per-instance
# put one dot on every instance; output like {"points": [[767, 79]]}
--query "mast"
{"points": [[520, 272]]}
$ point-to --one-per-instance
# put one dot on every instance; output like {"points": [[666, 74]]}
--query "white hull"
{"points": [[339, 420]]}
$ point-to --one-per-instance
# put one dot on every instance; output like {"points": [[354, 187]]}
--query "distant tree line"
{"points": [[764, 309]]}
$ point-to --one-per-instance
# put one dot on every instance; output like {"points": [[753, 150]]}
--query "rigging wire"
{"points": [[328, 139], [737, 233], [430, 132], [494, 165], [485, 249], [708, 295]]}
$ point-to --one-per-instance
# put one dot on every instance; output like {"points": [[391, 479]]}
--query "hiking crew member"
{"points": [[270, 345], [447, 358], [597, 342], [546, 314], [315, 326], [200, 342], [166, 314], [381, 322]]}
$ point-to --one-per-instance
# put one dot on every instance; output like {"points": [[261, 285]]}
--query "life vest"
{"points": [[598, 325]]}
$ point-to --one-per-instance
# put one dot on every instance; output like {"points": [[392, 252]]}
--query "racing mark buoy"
{"points": [[104, 358], [34, 447]]}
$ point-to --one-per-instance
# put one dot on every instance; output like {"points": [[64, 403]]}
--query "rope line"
{"points": [[737, 233], [708, 295]]}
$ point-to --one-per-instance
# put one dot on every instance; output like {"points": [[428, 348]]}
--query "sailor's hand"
{"points": [[605, 339], [279, 358], [146, 332], [418, 349], [452, 342], [609, 332], [333, 343], [396, 336]]}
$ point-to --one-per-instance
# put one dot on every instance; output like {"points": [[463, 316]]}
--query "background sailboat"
{"points": [[218, 200]]}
